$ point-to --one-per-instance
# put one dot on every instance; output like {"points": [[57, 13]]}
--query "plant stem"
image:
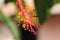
{"points": [[11, 26]]}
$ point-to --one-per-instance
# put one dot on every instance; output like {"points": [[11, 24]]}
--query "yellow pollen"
{"points": [[24, 25], [19, 17], [24, 29]]}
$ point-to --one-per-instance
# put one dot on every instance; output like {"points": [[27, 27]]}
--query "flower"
{"points": [[27, 15]]}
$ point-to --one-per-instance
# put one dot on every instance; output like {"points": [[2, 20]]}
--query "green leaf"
{"points": [[11, 26]]}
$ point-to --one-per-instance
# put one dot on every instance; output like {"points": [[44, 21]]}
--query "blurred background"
{"points": [[48, 12]]}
